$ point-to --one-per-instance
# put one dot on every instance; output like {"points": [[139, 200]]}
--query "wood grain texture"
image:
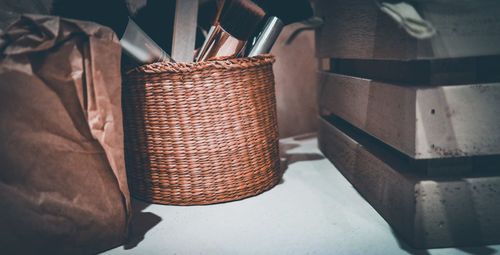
{"points": [[357, 29], [386, 112], [422, 122]]}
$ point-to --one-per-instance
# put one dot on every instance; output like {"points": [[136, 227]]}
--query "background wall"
{"points": [[295, 74]]}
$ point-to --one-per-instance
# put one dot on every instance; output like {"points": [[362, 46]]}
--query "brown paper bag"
{"points": [[63, 187]]}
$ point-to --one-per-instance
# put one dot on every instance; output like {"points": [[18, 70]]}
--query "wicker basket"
{"points": [[201, 133]]}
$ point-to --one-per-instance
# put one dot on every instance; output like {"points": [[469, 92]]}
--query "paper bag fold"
{"points": [[63, 187]]}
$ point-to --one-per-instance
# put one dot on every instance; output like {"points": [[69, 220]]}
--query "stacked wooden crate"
{"points": [[414, 124]]}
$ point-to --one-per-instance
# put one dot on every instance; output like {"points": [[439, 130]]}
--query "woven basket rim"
{"points": [[235, 63]]}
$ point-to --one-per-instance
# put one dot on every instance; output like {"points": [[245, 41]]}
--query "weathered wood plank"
{"points": [[421, 121], [357, 29], [427, 212]]}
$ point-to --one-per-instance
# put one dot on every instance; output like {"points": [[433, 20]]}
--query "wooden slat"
{"points": [[427, 212], [421, 121]]}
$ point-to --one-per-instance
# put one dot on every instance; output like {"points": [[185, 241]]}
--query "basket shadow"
{"points": [[140, 223], [287, 159]]}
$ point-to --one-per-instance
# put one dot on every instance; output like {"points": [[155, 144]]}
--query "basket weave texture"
{"points": [[201, 133]]}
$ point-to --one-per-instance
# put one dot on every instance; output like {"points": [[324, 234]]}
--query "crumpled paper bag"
{"points": [[63, 187]]}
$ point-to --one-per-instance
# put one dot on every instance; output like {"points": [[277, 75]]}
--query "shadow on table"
{"points": [[404, 246], [290, 158], [484, 250], [140, 223], [478, 250]]}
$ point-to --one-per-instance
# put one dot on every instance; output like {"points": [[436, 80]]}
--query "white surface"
{"points": [[314, 211]]}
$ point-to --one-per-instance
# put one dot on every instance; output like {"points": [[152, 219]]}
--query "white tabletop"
{"points": [[315, 210]]}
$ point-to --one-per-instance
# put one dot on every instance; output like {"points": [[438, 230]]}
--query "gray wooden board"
{"points": [[427, 212], [421, 121], [357, 29], [186, 14]]}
